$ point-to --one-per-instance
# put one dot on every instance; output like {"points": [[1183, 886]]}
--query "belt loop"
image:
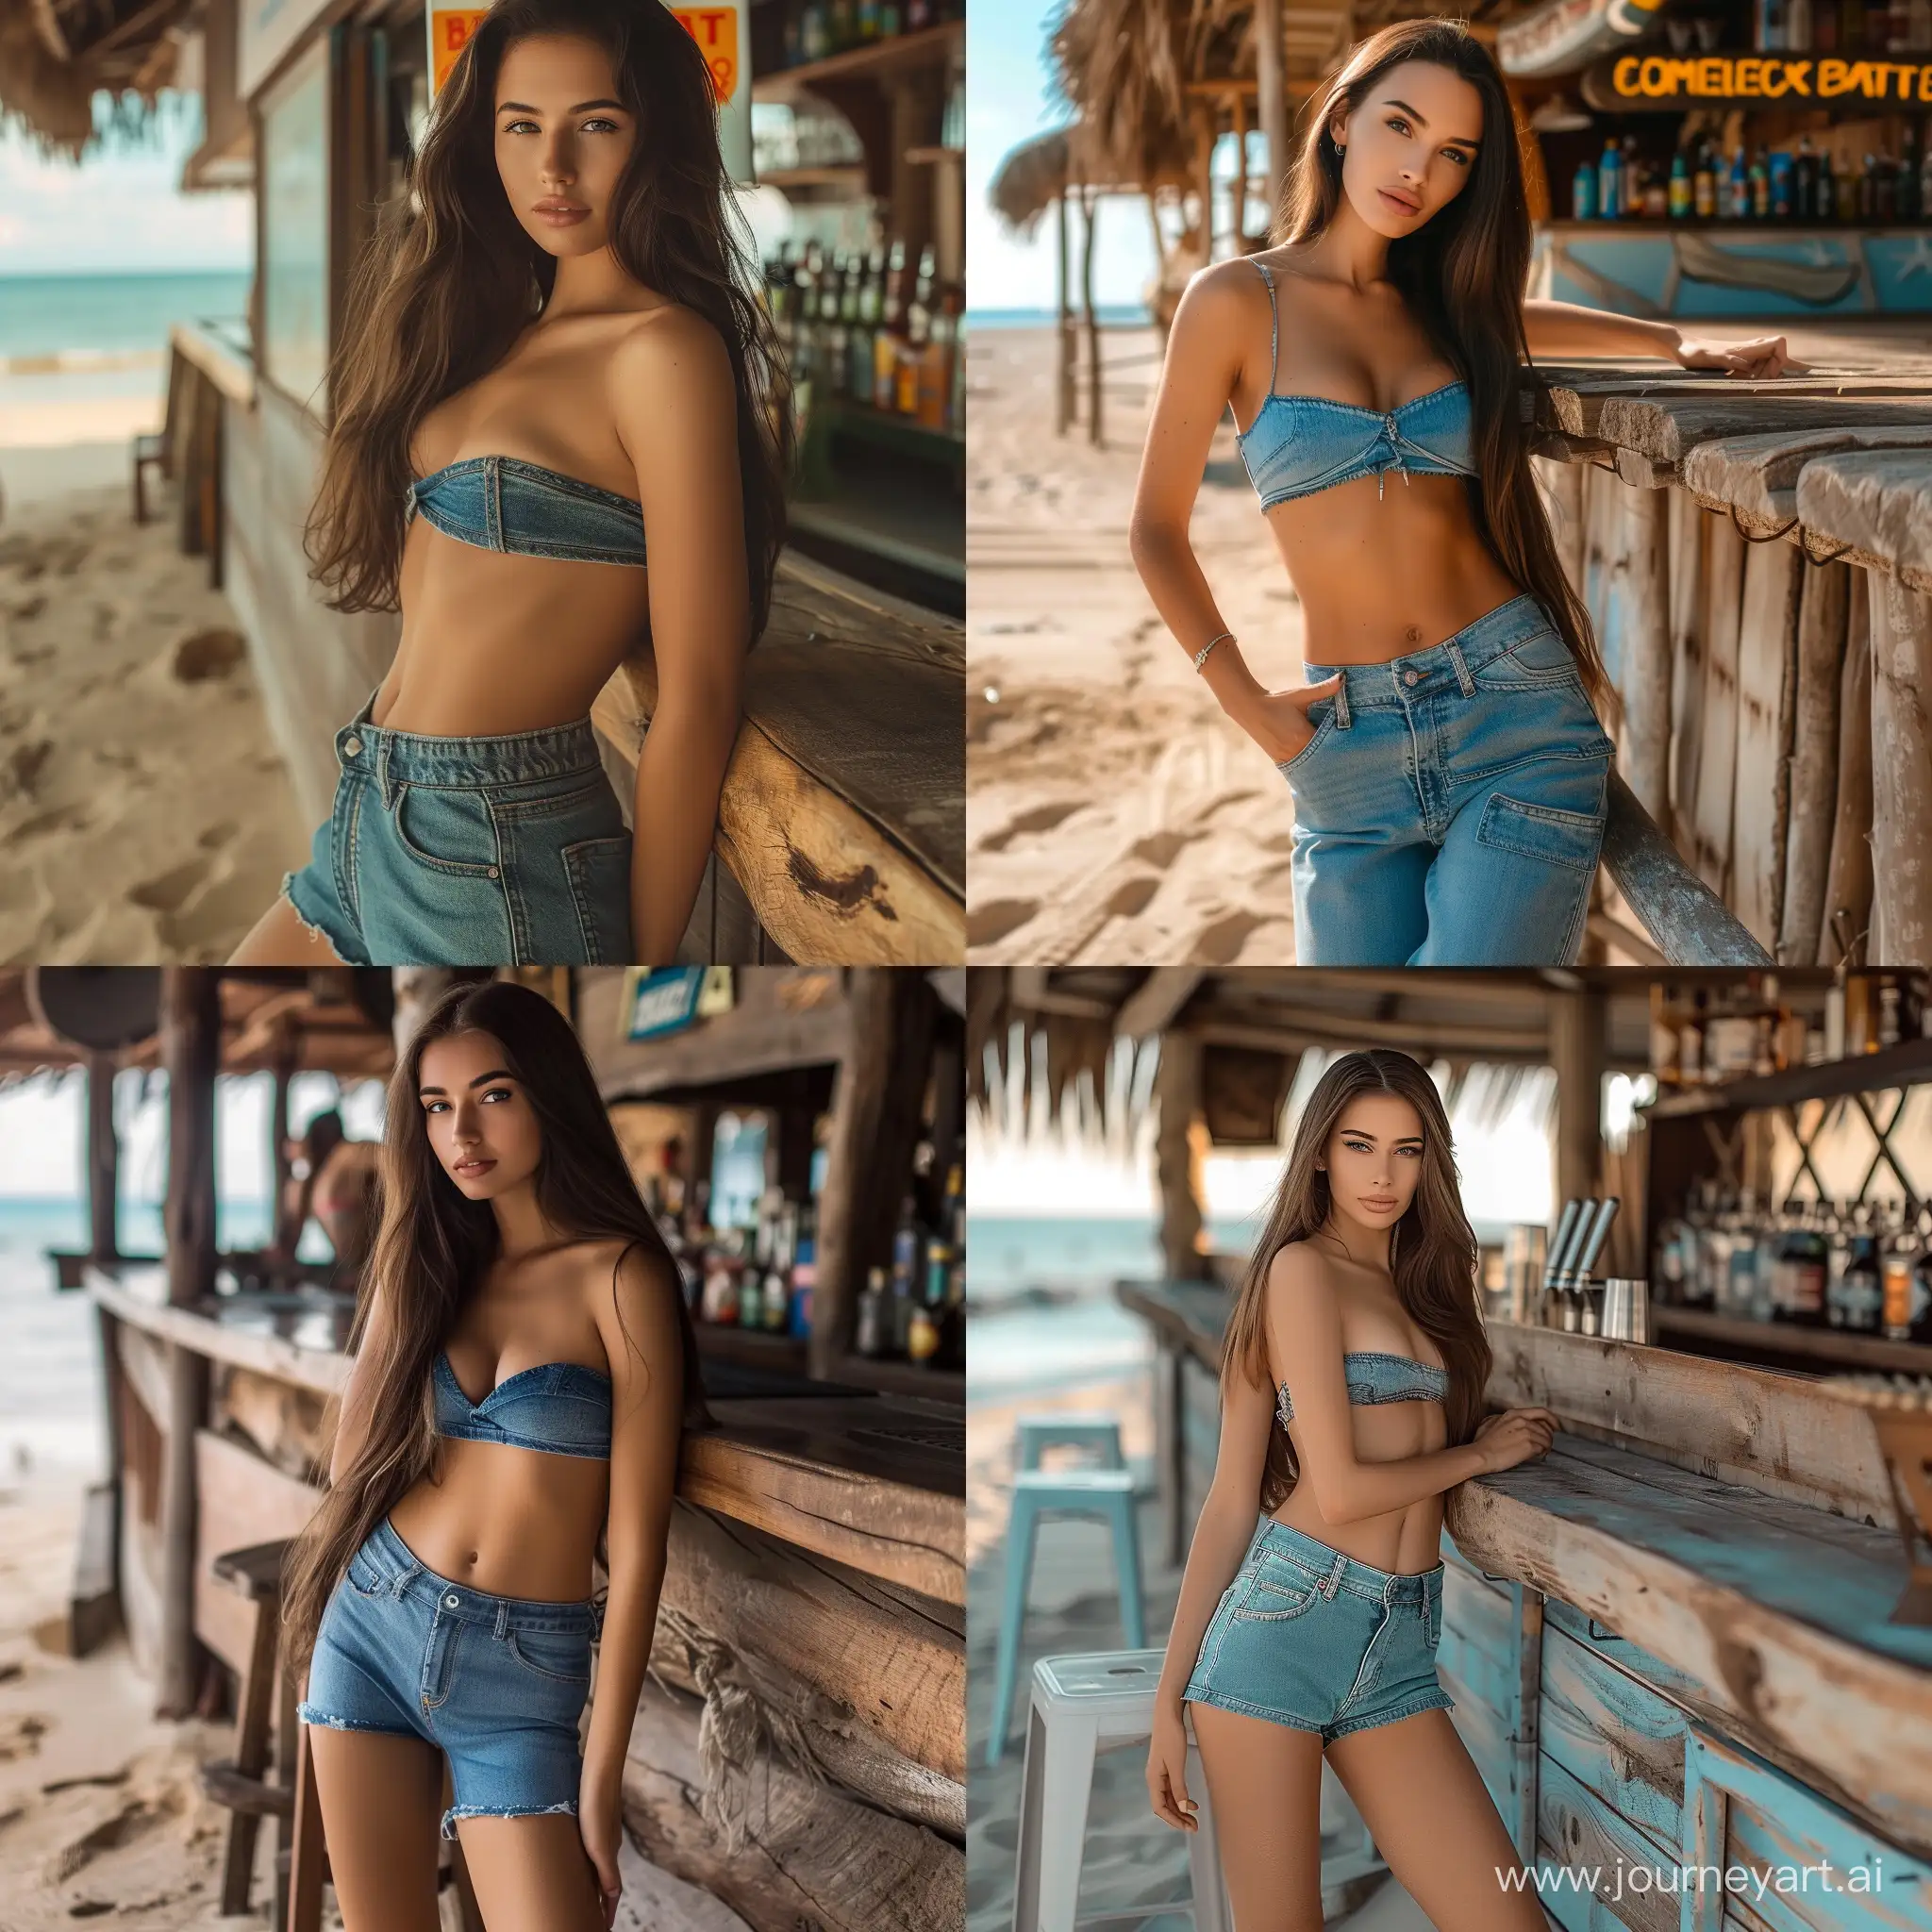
{"points": [[1332, 1582], [493, 499], [1342, 721], [1462, 676], [502, 1618]]}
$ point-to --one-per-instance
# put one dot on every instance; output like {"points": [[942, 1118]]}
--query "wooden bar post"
{"points": [[1645, 607], [191, 1050], [1848, 876], [102, 1162], [1767, 679], [1270, 99], [1089, 209], [1823, 608], [1177, 1087], [1687, 518], [1576, 1053], [1901, 770], [1063, 301], [1717, 761]]}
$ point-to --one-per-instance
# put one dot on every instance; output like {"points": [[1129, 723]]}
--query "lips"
{"points": [[473, 1170], [1399, 202], [560, 214], [1379, 1204]]}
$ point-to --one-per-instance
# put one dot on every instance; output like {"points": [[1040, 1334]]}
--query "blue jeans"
{"points": [[470, 851], [1449, 809], [496, 1683], [1318, 1641]]}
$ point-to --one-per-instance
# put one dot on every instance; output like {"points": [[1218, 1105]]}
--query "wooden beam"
{"points": [[1178, 1088], [190, 1049], [1152, 1006], [1901, 770], [1823, 606], [1272, 99], [1848, 874], [1576, 1053], [1646, 655], [103, 1159]]}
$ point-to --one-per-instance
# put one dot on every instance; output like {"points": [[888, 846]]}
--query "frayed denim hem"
{"points": [[311, 1714], [1414, 1708], [455, 1811]]}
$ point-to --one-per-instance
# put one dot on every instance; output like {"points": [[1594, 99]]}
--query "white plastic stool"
{"points": [[1079, 1703], [1101, 1433]]}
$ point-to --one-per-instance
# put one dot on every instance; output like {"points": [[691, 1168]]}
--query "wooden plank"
{"points": [[1758, 476], [93, 1603], [1483, 1728], [1578, 1831], [1526, 1728], [1823, 603], [1688, 543], [1848, 873], [1775, 1828], [130, 1299], [244, 1500], [1616, 1737], [1645, 606], [1779, 1435], [1789, 1647], [1880, 501], [1711, 819], [1902, 766], [1767, 681], [1667, 428], [230, 371]]}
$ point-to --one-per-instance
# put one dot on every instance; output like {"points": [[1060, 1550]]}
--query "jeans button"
{"points": [[352, 746], [492, 872], [451, 1601], [1408, 677]]}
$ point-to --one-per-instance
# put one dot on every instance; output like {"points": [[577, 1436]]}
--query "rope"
{"points": [[1811, 555]]}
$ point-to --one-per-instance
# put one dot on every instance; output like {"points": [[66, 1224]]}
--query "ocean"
{"points": [[108, 315], [1120, 315], [50, 1400]]}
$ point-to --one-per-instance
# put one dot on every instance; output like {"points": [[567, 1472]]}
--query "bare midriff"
{"points": [[1378, 578], [1407, 1539], [519, 1523]]}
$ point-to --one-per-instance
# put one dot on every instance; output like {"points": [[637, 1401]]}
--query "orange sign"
{"points": [[715, 30], [450, 28]]}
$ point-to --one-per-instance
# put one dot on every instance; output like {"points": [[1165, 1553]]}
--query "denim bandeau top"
{"points": [[1300, 444], [1372, 1377], [560, 1406], [503, 503]]}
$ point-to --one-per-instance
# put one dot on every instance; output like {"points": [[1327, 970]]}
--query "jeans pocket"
{"points": [[562, 1656], [1276, 1593], [1541, 831], [1532, 663], [365, 1578], [451, 831], [599, 875], [1324, 729]]}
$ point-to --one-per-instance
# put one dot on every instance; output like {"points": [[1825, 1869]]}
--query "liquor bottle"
{"points": [[1739, 206], [886, 340], [1850, 26], [1867, 189], [1704, 185], [906, 1247], [918, 334], [1861, 1290], [1760, 188], [1825, 27], [1827, 189], [1885, 191], [1919, 27], [1780, 186], [1798, 26], [1807, 1304], [1921, 1281], [1583, 193], [1906, 194], [1925, 181], [1805, 186], [1901, 1283], [1630, 204], [1607, 184], [1678, 206], [1898, 32], [751, 1299], [872, 1327]]}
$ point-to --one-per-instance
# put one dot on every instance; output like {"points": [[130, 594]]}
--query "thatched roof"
{"points": [[57, 54]]}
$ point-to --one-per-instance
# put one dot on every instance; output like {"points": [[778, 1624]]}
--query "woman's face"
{"points": [[1373, 1160], [1410, 147], [481, 1125], [562, 140]]}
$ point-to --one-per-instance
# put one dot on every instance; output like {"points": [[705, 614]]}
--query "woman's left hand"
{"points": [[1761, 358], [600, 1819]]}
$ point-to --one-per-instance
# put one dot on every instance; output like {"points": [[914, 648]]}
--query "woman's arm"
{"points": [[1305, 1327], [1569, 328], [646, 1355], [1222, 1533], [676, 413], [1197, 377]]}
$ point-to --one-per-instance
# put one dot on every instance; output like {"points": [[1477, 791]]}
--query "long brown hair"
{"points": [[450, 281], [1432, 1250], [1462, 275], [432, 1251]]}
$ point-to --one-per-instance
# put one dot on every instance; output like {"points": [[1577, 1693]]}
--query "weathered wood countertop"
{"points": [[876, 1482], [843, 813]]}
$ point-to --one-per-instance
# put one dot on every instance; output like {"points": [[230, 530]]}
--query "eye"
{"points": [[1459, 155], [1398, 124], [603, 124], [436, 1106], [498, 1093], [515, 126]]}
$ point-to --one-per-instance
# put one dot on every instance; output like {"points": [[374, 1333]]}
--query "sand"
{"points": [[1131, 1859], [1113, 810], [144, 813]]}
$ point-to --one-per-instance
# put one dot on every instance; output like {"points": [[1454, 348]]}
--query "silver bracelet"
{"points": [[1201, 656]]}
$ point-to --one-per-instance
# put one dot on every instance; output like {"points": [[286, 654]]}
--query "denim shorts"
{"points": [[496, 1683], [1449, 809], [1318, 1641], [470, 851]]}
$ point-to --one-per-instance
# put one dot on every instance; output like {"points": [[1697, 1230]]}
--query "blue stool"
{"points": [[1099, 1432], [1107, 1493]]}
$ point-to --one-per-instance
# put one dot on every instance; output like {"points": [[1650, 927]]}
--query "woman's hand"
{"points": [[1761, 358], [1167, 1768], [1513, 1437], [1278, 721], [600, 1820]]}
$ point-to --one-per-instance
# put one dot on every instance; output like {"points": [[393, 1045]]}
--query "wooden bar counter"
{"points": [[1669, 1640], [813, 1599]]}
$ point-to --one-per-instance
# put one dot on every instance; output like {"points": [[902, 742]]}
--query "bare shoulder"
{"points": [[1221, 299], [668, 344], [1300, 1279]]}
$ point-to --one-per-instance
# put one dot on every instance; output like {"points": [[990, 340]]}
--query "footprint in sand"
{"points": [[218, 836], [65, 817], [1160, 849], [170, 890], [20, 1736], [1220, 943], [986, 926], [119, 1828], [1042, 818], [209, 653], [1132, 897]]}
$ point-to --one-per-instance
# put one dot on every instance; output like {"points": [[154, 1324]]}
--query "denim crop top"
{"points": [[1374, 1376], [503, 503], [560, 1406], [1300, 444]]}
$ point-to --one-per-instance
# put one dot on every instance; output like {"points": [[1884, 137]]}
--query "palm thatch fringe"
{"points": [[1030, 179], [47, 87]]}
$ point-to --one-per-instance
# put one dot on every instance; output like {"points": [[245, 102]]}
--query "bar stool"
{"points": [[1098, 1432], [1105, 1493], [1081, 1704]]}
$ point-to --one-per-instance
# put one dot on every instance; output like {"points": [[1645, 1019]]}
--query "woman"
{"points": [[1352, 1398], [524, 1367], [557, 356], [337, 1185], [1448, 769]]}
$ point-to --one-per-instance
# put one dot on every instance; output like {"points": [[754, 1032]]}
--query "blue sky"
{"points": [[122, 207], [1007, 100]]}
